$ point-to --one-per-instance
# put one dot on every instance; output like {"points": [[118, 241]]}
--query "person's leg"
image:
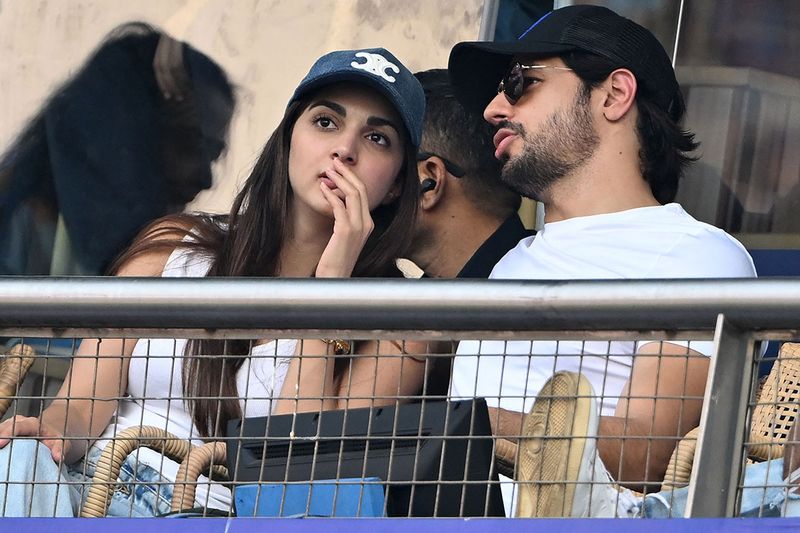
{"points": [[767, 489], [141, 491], [762, 485], [665, 504], [772, 488], [32, 484], [560, 473], [791, 472], [782, 497]]}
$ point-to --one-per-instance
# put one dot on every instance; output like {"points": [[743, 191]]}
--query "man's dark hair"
{"points": [[664, 145], [463, 137]]}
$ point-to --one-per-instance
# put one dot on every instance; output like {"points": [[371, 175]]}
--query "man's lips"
{"points": [[502, 139]]}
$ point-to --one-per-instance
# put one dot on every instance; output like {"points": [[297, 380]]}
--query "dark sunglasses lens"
{"points": [[512, 84], [515, 83]]}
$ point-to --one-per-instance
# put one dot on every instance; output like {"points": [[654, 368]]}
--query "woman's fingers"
{"points": [[354, 181], [58, 448], [355, 192], [352, 221], [336, 203], [23, 426], [352, 196], [19, 426]]}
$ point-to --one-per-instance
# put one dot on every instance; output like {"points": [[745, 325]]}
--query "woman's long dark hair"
{"points": [[247, 243]]}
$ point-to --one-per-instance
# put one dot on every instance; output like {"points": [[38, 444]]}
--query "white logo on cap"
{"points": [[376, 64]]}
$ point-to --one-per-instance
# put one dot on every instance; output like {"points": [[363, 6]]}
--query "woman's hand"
{"points": [[32, 427], [352, 222]]}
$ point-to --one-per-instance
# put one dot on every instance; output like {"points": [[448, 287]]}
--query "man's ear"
{"points": [[431, 170], [620, 94]]}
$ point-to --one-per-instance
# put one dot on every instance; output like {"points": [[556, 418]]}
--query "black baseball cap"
{"points": [[476, 68]]}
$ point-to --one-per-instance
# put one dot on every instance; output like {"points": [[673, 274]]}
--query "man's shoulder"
{"points": [[663, 242], [709, 253], [681, 246], [702, 243]]}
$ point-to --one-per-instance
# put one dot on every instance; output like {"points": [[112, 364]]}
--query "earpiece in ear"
{"points": [[428, 184]]}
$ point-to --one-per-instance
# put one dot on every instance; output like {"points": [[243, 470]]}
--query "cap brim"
{"points": [[477, 67]]}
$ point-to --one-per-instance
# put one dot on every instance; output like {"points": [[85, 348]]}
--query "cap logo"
{"points": [[376, 64]]}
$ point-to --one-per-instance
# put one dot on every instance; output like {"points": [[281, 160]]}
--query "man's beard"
{"points": [[565, 141]]}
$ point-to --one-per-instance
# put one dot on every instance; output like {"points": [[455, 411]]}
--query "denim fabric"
{"points": [[141, 491], [764, 494], [31, 484]]}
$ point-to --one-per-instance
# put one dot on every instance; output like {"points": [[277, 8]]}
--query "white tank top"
{"points": [[155, 390]]}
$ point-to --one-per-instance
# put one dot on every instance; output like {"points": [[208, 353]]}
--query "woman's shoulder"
{"points": [[168, 244], [150, 251]]}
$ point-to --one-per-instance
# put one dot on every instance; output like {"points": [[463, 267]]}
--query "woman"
{"points": [[332, 195], [129, 138]]}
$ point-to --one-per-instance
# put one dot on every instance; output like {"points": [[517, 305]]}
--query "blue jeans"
{"points": [[764, 493], [32, 484]]}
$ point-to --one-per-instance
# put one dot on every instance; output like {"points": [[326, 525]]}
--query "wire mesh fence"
{"points": [[381, 417]]}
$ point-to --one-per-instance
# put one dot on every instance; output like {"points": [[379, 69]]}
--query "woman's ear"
{"points": [[620, 95], [393, 193]]}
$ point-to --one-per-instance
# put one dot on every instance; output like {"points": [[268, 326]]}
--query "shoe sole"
{"points": [[550, 457]]}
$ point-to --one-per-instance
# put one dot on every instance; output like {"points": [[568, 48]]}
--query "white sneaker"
{"points": [[559, 471]]}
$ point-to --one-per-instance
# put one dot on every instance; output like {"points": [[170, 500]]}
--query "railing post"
{"points": [[488, 20], [718, 460]]}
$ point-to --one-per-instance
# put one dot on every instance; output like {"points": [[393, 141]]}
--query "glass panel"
{"points": [[516, 16], [741, 77], [105, 151], [658, 16]]}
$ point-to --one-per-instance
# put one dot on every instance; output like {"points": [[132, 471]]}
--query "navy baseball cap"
{"points": [[477, 67], [377, 68]]}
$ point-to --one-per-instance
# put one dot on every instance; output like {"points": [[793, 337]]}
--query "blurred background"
{"points": [[736, 60]]}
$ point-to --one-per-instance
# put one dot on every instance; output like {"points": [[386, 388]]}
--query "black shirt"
{"points": [[506, 237], [480, 265]]}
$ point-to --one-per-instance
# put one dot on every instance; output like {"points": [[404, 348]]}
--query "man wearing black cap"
{"points": [[586, 112]]}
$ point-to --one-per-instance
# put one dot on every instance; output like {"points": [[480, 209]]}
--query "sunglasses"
{"points": [[449, 166], [513, 83]]}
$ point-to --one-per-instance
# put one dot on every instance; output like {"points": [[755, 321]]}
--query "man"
{"points": [[586, 118], [468, 218]]}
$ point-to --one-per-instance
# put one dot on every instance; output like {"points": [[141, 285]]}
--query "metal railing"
{"points": [[735, 313]]}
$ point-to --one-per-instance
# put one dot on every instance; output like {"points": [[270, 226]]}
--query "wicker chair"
{"points": [[13, 368], [195, 460], [772, 419]]}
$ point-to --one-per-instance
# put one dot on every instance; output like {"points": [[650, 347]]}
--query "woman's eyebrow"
{"points": [[333, 106], [380, 121], [339, 109]]}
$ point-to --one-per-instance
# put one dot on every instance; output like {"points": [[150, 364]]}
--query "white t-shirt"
{"points": [[155, 393], [648, 242]]}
